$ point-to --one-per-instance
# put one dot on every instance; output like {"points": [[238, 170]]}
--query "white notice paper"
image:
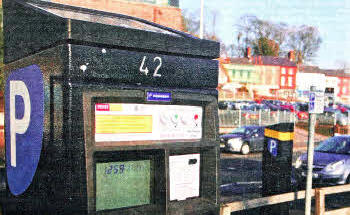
{"points": [[184, 176]]}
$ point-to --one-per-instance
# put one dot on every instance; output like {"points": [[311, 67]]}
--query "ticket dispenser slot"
{"points": [[184, 173]]}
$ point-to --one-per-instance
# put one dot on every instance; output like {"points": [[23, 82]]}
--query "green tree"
{"points": [[266, 47]]}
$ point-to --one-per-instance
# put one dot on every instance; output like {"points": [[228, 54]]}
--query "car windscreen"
{"points": [[334, 145], [239, 130]]}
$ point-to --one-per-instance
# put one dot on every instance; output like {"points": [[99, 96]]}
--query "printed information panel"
{"points": [[135, 122]]}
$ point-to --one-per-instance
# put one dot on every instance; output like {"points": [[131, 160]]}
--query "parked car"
{"points": [[273, 105], [287, 107], [222, 105], [249, 112], [344, 108], [301, 111], [333, 116], [261, 107], [244, 139], [331, 162]]}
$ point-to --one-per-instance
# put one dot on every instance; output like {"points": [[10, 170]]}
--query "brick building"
{"points": [[255, 77], [163, 12], [337, 81]]}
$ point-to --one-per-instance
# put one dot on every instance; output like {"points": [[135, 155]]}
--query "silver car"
{"points": [[331, 163]]}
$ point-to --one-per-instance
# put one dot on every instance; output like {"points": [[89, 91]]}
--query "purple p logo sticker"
{"points": [[24, 120]]}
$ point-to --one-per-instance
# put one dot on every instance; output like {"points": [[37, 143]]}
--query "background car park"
{"points": [[334, 116]]}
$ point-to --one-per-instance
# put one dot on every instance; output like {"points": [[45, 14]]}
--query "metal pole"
{"points": [[310, 159], [240, 118], [201, 27], [259, 117], [334, 123]]}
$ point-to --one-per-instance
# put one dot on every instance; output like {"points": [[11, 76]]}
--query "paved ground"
{"points": [[241, 180], [241, 177]]}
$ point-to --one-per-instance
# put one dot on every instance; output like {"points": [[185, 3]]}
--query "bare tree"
{"points": [[190, 22], [239, 49], [306, 41], [343, 65], [252, 30]]}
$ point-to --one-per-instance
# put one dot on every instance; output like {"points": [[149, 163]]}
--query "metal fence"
{"points": [[238, 118]]}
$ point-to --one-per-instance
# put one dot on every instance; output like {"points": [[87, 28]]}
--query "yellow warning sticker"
{"points": [[115, 107], [118, 124]]}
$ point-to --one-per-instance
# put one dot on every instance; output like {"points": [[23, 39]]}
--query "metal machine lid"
{"points": [[31, 26], [106, 18]]}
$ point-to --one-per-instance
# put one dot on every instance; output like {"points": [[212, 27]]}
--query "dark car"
{"points": [[222, 105], [331, 162], [273, 105], [244, 139]]}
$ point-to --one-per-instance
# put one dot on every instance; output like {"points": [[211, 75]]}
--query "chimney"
{"points": [[291, 55], [249, 53]]}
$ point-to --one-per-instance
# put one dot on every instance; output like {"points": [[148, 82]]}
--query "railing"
{"points": [[318, 193], [238, 118], [320, 200], [230, 119]]}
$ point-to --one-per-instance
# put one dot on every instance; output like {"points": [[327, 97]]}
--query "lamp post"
{"points": [[201, 28]]}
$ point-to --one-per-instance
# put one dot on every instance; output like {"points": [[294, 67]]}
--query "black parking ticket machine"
{"points": [[107, 114], [277, 165]]}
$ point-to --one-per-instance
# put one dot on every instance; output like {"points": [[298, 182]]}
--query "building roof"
{"points": [[264, 60], [327, 72]]}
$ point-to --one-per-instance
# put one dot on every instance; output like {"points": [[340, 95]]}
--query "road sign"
{"points": [[316, 102], [24, 117]]}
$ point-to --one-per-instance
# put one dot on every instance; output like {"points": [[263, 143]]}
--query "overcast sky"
{"points": [[331, 17]]}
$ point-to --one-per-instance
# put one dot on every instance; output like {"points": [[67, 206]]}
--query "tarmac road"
{"points": [[241, 180]]}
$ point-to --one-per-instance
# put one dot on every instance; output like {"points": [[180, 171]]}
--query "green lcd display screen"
{"points": [[123, 184]]}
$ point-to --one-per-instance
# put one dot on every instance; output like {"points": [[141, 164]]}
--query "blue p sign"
{"points": [[272, 146], [24, 119]]}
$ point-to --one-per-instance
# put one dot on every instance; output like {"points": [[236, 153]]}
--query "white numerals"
{"points": [[155, 74], [144, 70]]}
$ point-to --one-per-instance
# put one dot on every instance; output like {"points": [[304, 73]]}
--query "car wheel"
{"points": [[347, 180], [245, 149]]}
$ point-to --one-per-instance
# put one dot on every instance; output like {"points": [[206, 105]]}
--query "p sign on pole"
{"points": [[24, 120]]}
